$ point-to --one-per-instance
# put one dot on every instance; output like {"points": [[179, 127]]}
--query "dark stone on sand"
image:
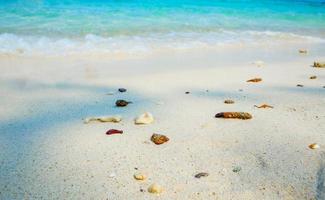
{"points": [[122, 103], [299, 85], [236, 169], [114, 131], [122, 90], [201, 174], [234, 115], [187, 92]]}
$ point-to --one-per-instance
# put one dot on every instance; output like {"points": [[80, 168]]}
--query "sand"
{"points": [[47, 152]]}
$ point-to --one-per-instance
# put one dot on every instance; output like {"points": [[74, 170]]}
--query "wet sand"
{"points": [[47, 152]]}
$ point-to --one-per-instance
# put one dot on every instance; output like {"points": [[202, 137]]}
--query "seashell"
{"points": [[159, 139], [114, 131], [263, 106], [139, 176], [313, 77], [114, 119], [254, 80], [319, 64], [122, 90], [259, 63], [229, 101], [303, 51], [201, 174], [112, 175], [145, 118], [313, 146], [234, 115], [299, 85], [122, 103], [155, 189]]}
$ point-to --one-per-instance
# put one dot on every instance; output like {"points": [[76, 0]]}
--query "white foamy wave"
{"points": [[93, 44]]}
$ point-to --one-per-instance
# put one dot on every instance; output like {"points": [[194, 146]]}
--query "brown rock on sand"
{"points": [[234, 115], [122, 103], [303, 51], [229, 101], [254, 80], [263, 106], [313, 77], [159, 139], [319, 64]]}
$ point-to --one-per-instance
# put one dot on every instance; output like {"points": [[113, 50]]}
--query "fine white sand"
{"points": [[48, 153]]}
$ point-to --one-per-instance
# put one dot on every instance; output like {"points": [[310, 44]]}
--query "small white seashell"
{"points": [[259, 63], [155, 189], [114, 119], [112, 175], [145, 118]]}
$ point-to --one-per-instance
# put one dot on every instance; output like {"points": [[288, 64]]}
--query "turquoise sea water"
{"points": [[116, 25]]}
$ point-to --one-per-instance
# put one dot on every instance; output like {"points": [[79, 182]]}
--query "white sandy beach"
{"points": [[48, 152]]}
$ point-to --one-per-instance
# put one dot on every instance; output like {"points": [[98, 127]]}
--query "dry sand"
{"points": [[48, 153]]}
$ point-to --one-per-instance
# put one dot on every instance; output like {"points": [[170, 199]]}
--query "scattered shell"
{"points": [[259, 63], [139, 177], [114, 119], [299, 85], [234, 115], [110, 93], [319, 64], [155, 189], [145, 118], [114, 131], [313, 146], [263, 106], [112, 175], [122, 90], [254, 80], [201, 174], [159, 139], [236, 169], [122, 103], [229, 101], [313, 77], [303, 51]]}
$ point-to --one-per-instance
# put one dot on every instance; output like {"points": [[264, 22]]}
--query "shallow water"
{"points": [[69, 26]]}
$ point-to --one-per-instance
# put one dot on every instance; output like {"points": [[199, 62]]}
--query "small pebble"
{"points": [[304, 51], [299, 85], [122, 103], [313, 146], [139, 177], [201, 174], [114, 131], [313, 77], [187, 92], [112, 175], [159, 139], [254, 80], [229, 101], [155, 189], [236, 169], [122, 90], [145, 118]]}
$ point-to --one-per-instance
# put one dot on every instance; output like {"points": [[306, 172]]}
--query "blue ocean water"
{"points": [[107, 25]]}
